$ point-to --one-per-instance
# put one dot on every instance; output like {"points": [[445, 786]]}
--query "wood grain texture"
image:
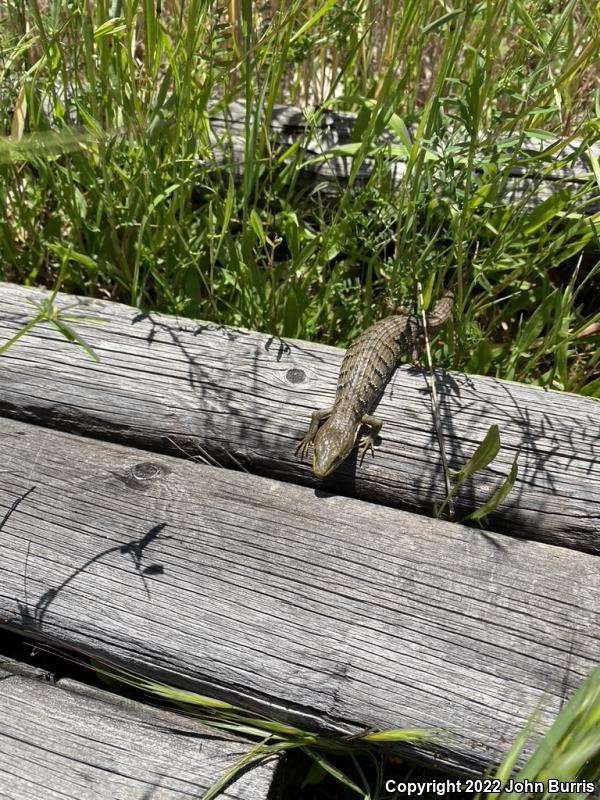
{"points": [[72, 742], [324, 610], [188, 387], [533, 176]]}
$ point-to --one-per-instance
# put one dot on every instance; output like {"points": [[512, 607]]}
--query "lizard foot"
{"points": [[303, 447], [364, 445]]}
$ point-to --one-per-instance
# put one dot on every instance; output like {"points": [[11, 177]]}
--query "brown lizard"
{"points": [[368, 365]]}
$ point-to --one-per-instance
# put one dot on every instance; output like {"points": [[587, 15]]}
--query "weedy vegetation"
{"points": [[106, 186], [569, 752]]}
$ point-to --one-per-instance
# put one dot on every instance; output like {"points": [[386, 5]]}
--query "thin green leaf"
{"points": [[327, 766], [400, 735], [42, 145], [72, 255], [72, 336], [110, 27], [25, 329], [442, 21], [573, 721], [255, 756], [313, 20], [511, 757], [496, 499]]}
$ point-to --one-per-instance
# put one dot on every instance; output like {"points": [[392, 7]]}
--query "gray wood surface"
{"points": [[534, 170], [68, 740], [328, 611], [237, 397]]}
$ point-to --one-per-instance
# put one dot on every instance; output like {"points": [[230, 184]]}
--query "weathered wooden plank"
{"points": [[535, 170], [72, 741], [194, 387], [324, 610]]}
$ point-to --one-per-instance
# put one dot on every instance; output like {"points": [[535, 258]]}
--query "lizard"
{"points": [[368, 364]]}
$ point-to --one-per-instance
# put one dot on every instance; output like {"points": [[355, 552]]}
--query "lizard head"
{"points": [[332, 445]]}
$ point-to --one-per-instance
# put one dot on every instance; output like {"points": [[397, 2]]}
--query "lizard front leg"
{"points": [[366, 443], [318, 416]]}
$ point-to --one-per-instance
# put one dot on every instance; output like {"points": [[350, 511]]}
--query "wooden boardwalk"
{"points": [[78, 742], [323, 146], [242, 398], [333, 606]]}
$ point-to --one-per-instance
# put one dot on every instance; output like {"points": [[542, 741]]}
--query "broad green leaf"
{"points": [[595, 162], [292, 313], [257, 227], [533, 327], [539, 135], [482, 357], [315, 775], [591, 389], [361, 123], [352, 148], [481, 194], [551, 207], [400, 151], [42, 145], [484, 455], [398, 126], [288, 153]]}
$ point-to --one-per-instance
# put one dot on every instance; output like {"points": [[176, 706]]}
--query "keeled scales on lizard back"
{"points": [[368, 365]]}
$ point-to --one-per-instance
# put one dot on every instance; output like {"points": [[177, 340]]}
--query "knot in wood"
{"points": [[295, 375], [145, 471]]}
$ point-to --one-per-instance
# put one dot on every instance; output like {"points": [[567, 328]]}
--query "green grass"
{"points": [[114, 200], [568, 752]]}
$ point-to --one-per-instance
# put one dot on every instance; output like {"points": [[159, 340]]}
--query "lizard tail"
{"points": [[441, 310]]}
